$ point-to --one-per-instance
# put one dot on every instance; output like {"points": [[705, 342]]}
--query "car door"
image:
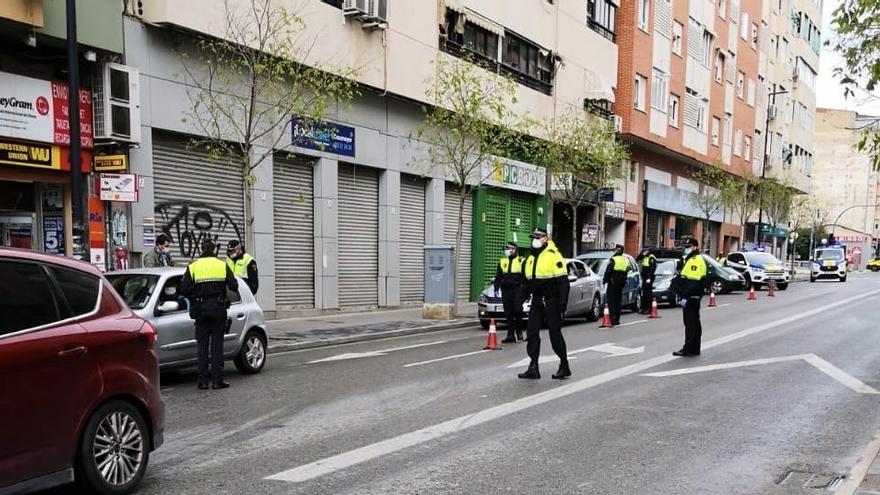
{"points": [[236, 319], [177, 331], [578, 290], [737, 261], [633, 282], [49, 379]]}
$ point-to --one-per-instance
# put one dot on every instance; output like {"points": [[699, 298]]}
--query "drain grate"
{"points": [[812, 481]]}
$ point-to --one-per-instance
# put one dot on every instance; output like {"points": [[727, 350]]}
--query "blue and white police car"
{"points": [[829, 262], [759, 268]]}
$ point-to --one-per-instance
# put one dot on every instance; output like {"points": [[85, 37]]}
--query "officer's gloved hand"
{"points": [[683, 303], [648, 281]]}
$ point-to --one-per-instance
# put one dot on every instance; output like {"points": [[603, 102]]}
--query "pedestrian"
{"points": [[242, 264], [722, 257], [690, 285], [510, 280], [205, 284], [160, 255], [547, 282], [647, 266], [615, 281]]}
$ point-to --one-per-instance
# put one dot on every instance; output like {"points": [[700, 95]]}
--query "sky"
{"points": [[829, 94]]}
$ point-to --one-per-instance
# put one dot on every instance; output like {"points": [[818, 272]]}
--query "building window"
{"points": [[481, 41], [659, 90], [740, 84], [335, 3], [602, 108], [722, 8], [737, 143], [754, 36], [674, 106], [463, 37], [639, 91], [602, 16], [716, 129], [677, 30], [805, 73], [751, 94], [719, 66], [644, 14], [747, 148], [528, 63], [744, 26], [707, 49], [633, 171], [702, 115], [728, 129]]}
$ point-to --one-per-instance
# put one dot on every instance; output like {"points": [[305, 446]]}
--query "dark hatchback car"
{"points": [[79, 399]]}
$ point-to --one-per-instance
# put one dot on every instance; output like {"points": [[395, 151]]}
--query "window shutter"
{"points": [[663, 18], [691, 110], [695, 40]]}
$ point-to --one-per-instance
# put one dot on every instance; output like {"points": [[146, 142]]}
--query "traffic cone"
{"points": [[712, 302], [770, 290], [492, 341], [606, 318], [752, 295], [654, 313]]}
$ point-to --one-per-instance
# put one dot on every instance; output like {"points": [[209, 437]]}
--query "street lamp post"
{"points": [[77, 191], [770, 97]]}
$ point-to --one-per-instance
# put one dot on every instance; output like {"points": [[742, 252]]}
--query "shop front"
{"points": [[672, 216]]}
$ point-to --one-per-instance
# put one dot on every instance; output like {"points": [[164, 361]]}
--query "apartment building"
{"points": [[344, 227]]}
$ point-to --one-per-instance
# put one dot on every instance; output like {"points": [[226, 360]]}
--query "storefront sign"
{"points": [[53, 235], [149, 231], [852, 238], [673, 200], [323, 136], [110, 163], [590, 232], [39, 110], [27, 154], [96, 223], [615, 210], [119, 187], [518, 176]]}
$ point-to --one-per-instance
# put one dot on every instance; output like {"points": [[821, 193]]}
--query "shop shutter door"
{"points": [[197, 197], [358, 236], [496, 236], [412, 240], [294, 223], [653, 232], [450, 218]]}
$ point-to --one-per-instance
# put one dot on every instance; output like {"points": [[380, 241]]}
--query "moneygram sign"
{"points": [[38, 110], [519, 176]]}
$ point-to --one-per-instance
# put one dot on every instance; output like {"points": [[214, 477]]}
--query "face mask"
{"points": [[170, 291], [536, 243], [230, 253], [687, 251], [508, 252]]}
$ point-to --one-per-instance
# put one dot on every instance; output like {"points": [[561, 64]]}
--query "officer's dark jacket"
{"points": [[509, 278], [209, 289], [647, 271], [689, 287]]}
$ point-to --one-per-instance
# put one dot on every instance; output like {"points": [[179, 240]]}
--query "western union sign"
{"points": [[27, 154]]}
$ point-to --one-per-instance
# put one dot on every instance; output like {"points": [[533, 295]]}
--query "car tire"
{"points": [[252, 356], [100, 472], [718, 286], [782, 286], [636, 306], [812, 279], [595, 311], [843, 278], [484, 324]]}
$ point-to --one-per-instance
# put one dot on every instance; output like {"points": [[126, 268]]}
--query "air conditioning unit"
{"points": [[372, 13], [117, 106], [771, 112], [618, 123], [355, 8]]}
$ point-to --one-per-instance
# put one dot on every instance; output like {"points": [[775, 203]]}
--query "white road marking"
{"points": [[410, 365], [609, 349], [382, 352], [612, 350], [633, 323], [366, 453], [722, 305], [822, 365]]}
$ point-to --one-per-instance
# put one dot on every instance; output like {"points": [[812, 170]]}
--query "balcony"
{"points": [[28, 12]]}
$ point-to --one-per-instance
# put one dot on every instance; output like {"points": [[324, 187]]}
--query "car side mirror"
{"points": [[169, 307], [572, 277]]}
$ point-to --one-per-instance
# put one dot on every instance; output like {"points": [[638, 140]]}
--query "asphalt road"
{"points": [[371, 422]]}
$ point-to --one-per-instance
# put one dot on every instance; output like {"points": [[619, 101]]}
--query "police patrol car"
{"points": [[759, 268], [829, 262]]}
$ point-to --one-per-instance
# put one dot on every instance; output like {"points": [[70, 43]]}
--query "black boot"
{"points": [[531, 373], [563, 372], [519, 335], [510, 339]]}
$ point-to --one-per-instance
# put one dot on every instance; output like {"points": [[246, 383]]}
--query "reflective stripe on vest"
{"points": [[694, 268], [620, 263], [208, 269], [646, 261], [508, 267], [550, 264], [239, 267]]}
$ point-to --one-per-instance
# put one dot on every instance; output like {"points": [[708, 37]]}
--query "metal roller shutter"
{"points": [[450, 218], [358, 236], [412, 240], [197, 197], [654, 233], [293, 199]]}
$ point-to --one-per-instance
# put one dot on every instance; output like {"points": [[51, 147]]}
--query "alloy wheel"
{"points": [[118, 448]]}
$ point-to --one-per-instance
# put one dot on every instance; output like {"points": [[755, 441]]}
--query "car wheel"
{"points": [[252, 356], [114, 450], [783, 286], [812, 279], [718, 286], [484, 324], [843, 278], [595, 311], [637, 304]]}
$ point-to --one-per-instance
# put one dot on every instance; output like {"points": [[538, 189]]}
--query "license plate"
{"points": [[829, 263]]}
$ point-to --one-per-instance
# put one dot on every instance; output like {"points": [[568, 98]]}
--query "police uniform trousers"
{"points": [[693, 329], [511, 297], [549, 309], [210, 327], [647, 295], [615, 298]]}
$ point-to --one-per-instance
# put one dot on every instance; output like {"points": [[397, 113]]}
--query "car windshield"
{"points": [[829, 254], [666, 268], [135, 288], [762, 258], [596, 264]]}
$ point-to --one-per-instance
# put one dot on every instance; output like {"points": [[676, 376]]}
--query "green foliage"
{"points": [[777, 200]]}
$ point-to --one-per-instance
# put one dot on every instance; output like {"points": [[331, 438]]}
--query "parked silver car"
{"points": [[584, 299], [154, 294]]}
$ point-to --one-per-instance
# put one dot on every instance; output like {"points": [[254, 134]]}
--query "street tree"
{"points": [[246, 87], [776, 199], [743, 197], [717, 192], [584, 158], [468, 125]]}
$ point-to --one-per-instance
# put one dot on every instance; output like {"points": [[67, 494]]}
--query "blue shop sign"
{"points": [[323, 136]]}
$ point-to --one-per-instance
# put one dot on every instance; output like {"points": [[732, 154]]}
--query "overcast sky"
{"points": [[829, 93]]}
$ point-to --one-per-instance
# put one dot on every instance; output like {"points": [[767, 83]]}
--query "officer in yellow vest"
{"points": [[690, 285], [547, 282], [205, 284], [615, 280], [242, 264], [510, 280], [647, 268]]}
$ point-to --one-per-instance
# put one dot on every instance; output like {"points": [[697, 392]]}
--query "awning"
{"points": [[475, 18], [456, 5], [596, 87]]}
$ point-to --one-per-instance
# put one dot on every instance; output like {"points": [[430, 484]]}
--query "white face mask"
{"points": [[170, 291], [508, 252], [687, 251], [536, 243]]}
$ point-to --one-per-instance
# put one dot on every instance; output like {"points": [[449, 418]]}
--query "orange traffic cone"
{"points": [[712, 302], [492, 341], [606, 318], [654, 313], [752, 295], [770, 289]]}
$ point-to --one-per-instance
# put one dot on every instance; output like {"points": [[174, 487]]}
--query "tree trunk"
{"points": [[459, 232], [249, 236], [601, 222], [705, 240], [574, 231]]}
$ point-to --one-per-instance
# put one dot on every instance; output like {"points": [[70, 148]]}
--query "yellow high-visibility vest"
{"points": [[695, 268], [239, 267], [549, 264], [208, 269], [511, 267]]}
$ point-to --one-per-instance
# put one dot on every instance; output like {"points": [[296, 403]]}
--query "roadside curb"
{"points": [[314, 344], [857, 475]]}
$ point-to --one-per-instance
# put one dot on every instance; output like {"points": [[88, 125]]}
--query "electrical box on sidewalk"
{"points": [[439, 283]]}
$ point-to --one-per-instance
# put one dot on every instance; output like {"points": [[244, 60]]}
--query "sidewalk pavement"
{"points": [[342, 328]]}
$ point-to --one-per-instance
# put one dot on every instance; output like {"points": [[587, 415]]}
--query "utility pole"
{"points": [[77, 191], [770, 97]]}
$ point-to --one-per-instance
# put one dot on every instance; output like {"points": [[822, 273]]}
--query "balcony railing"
{"points": [[493, 65], [604, 31]]}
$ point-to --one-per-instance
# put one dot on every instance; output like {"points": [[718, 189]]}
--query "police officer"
{"points": [[242, 264], [690, 285], [510, 279], [205, 284], [615, 279], [722, 257], [547, 282], [647, 267]]}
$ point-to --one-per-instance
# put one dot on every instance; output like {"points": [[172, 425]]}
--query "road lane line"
{"points": [[367, 453], [420, 363], [726, 366], [838, 374], [633, 323]]}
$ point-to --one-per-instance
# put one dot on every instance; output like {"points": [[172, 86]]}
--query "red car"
{"points": [[79, 379]]}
